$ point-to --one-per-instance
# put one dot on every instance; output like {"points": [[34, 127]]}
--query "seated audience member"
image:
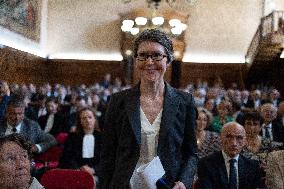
{"points": [[207, 141], [210, 105], [228, 169], [270, 130], [53, 122], [244, 98], [279, 121], [30, 112], [224, 110], [82, 148], [256, 147], [16, 122], [80, 103], [274, 97], [275, 170], [98, 109], [254, 102], [4, 98], [40, 107], [15, 163], [107, 81]]}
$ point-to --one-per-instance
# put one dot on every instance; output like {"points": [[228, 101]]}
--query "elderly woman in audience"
{"points": [[257, 147], [224, 116], [207, 141], [15, 163], [210, 105], [82, 148], [275, 170]]}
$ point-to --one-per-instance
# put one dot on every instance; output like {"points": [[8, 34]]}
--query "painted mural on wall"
{"points": [[21, 16]]}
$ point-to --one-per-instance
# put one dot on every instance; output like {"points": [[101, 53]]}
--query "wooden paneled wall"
{"points": [[191, 72], [20, 67]]}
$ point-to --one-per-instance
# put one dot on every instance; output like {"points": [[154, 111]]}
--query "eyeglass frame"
{"points": [[150, 55]]}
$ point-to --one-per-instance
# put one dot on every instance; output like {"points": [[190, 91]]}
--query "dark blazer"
{"points": [[72, 154], [32, 132], [58, 124], [177, 146], [212, 173], [278, 130]]}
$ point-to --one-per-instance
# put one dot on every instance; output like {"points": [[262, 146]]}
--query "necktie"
{"points": [[14, 130], [233, 174], [267, 134]]}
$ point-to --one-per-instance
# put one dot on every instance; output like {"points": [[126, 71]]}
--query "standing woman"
{"points": [[151, 119]]}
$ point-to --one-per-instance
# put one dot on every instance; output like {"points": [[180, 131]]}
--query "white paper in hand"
{"points": [[151, 172]]}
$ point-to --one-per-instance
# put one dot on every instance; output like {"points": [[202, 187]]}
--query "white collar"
{"points": [[227, 158], [18, 127], [268, 125]]}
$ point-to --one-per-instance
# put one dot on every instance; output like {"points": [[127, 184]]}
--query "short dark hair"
{"points": [[155, 35], [252, 116], [18, 139], [51, 99], [16, 101]]}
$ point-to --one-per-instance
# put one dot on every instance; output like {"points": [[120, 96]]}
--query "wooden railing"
{"points": [[269, 24]]}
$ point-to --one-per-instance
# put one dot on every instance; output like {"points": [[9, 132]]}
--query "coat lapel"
{"points": [[3, 127], [241, 172], [133, 111], [24, 128], [170, 107], [223, 172]]}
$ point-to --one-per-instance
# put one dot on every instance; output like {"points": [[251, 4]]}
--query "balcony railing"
{"points": [[272, 23]]}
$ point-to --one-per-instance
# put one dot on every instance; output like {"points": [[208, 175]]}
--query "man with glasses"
{"points": [[228, 169]]}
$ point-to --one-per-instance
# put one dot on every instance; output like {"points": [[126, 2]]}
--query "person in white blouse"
{"points": [[151, 119], [82, 148]]}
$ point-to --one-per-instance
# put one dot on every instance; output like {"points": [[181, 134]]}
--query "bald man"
{"points": [[228, 169]]}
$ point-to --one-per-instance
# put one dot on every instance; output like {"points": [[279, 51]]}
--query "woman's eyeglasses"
{"points": [[154, 56]]}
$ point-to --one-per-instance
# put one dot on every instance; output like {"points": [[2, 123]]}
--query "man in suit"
{"points": [[228, 169], [271, 130], [274, 97], [53, 122], [4, 98], [16, 122], [254, 102]]}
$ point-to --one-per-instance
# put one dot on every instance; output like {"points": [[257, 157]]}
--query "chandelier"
{"points": [[169, 21], [172, 23], [156, 3]]}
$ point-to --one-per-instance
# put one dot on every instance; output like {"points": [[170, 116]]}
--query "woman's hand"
{"points": [[179, 185], [87, 169]]}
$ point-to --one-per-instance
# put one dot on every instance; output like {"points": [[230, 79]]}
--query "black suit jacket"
{"points": [[177, 147], [72, 154], [212, 173], [59, 124], [278, 130]]}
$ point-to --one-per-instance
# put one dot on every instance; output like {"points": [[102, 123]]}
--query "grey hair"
{"points": [[155, 35]]}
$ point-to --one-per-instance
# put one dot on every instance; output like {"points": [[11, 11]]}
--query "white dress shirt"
{"points": [[9, 131], [269, 130], [227, 163], [88, 146], [42, 112], [49, 123], [10, 128]]}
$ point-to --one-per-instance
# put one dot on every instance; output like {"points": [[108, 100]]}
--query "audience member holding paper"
{"points": [[151, 119]]}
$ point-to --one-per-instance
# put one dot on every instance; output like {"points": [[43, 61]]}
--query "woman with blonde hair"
{"points": [[207, 141]]}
